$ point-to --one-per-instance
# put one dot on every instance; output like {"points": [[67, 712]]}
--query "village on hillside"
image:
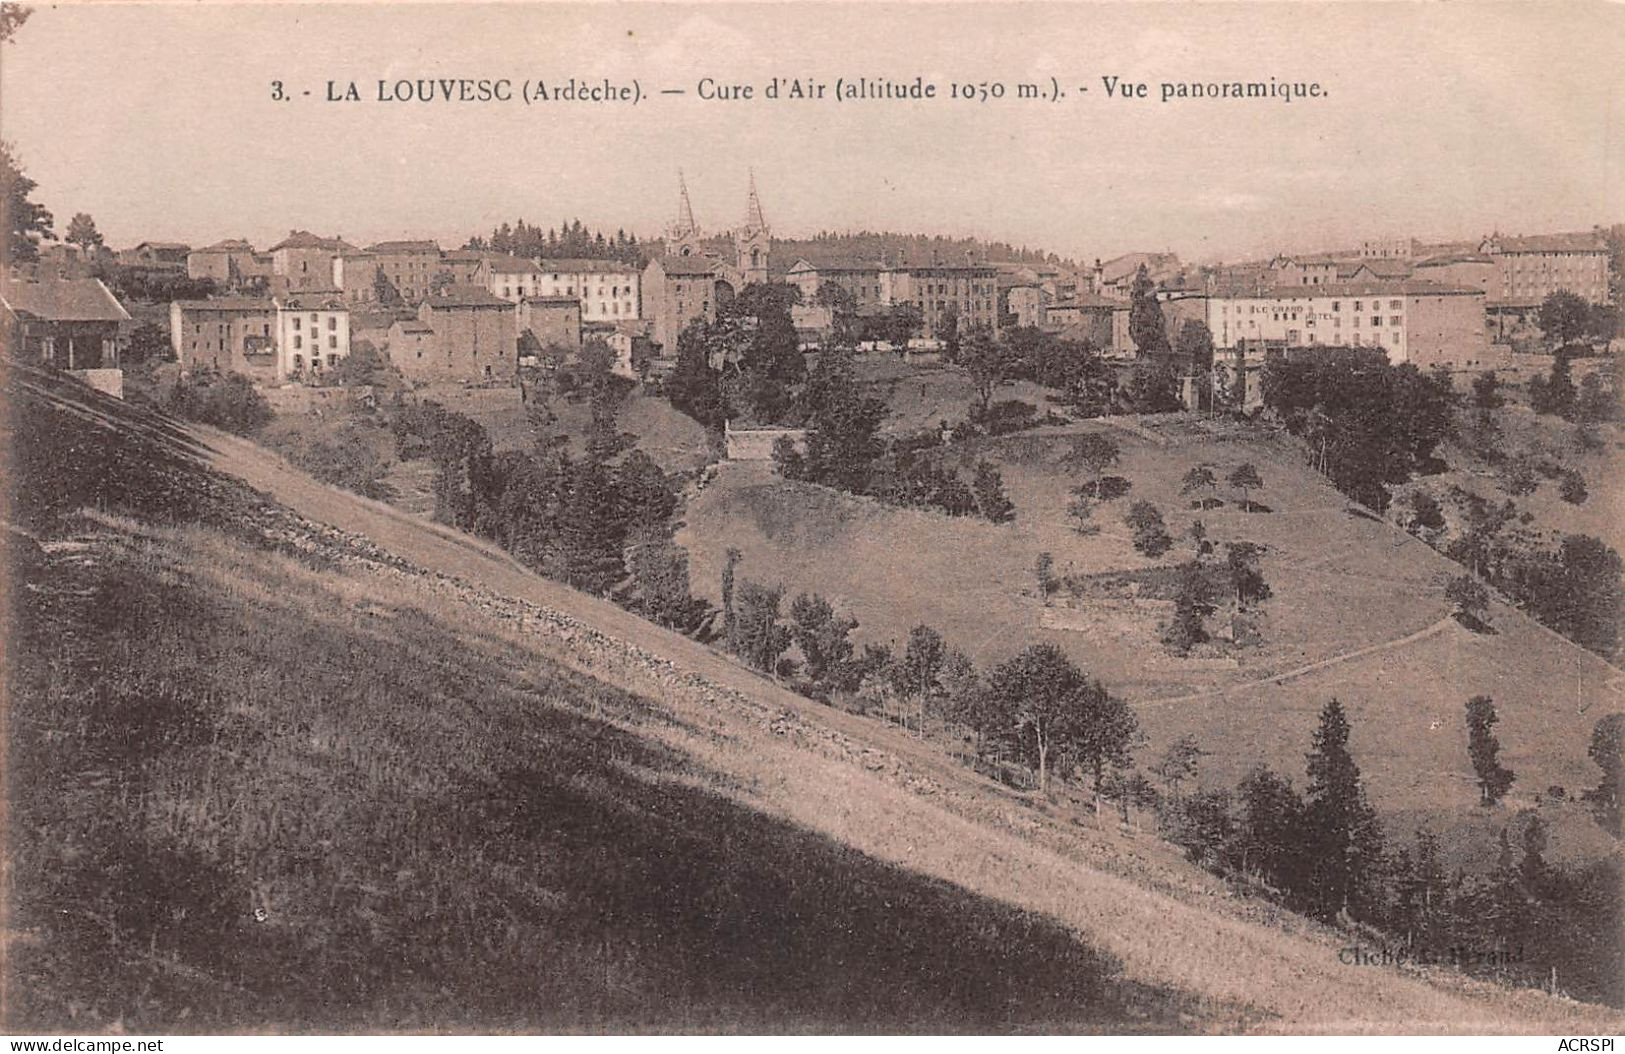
{"points": [[778, 622]]}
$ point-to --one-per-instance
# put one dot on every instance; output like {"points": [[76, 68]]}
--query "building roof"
{"points": [[835, 262], [1580, 242], [228, 245], [1381, 267], [63, 300], [510, 265], [1456, 258], [1125, 266], [554, 301], [466, 255], [180, 246], [423, 248], [580, 266], [412, 325], [307, 240], [1089, 302], [308, 299], [228, 303], [1387, 287], [460, 296]]}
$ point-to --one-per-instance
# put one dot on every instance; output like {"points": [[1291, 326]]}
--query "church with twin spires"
{"points": [[698, 274]]}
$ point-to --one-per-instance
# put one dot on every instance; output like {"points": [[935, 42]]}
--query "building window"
{"points": [[332, 342], [298, 342]]}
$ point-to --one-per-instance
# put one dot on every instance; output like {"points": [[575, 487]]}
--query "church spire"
{"points": [[753, 208], [685, 211]]}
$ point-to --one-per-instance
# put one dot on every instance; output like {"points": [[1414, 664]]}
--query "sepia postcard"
{"points": [[883, 518]]}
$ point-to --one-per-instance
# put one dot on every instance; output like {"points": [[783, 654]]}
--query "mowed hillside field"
{"points": [[1357, 611], [293, 760]]}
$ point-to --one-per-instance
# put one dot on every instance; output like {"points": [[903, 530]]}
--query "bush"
{"points": [[1573, 488], [227, 401], [1151, 535]]}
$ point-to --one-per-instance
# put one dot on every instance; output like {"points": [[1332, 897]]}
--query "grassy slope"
{"points": [[455, 808], [1342, 583]]}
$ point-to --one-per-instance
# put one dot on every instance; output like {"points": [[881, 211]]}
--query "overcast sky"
{"points": [[1440, 121]]}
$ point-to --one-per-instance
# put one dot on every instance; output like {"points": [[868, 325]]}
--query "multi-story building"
{"points": [[860, 279], [549, 322], [1528, 270], [1387, 249], [1115, 277], [463, 265], [305, 263], [1022, 303], [1475, 270], [475, 338], [1101, 320], [410, 266], [228, 334], [943, 290], [1409, 320], [608, 290], [510, 277], [229, 263], [312, 334]]}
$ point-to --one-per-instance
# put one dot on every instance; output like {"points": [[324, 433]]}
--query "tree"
{"points": [[383, 290], [826, 647], [147, 344], [948, 332], [1244, 478], [759, 637], [12, 17], [1595, 402], [1564, 317], [1200, 546], [1044, 575], [1193, 347], [1554, 394], [1151, 536], [1199, 478], [730, 615], [1346, 839], [1270, 835], [920, 666], [1426, 512], [27, 223], [1469, 599], [1051, 705], [1178, 763], [1486, 391], [660, 582], [1146, 326], [843, 426], [230, 402], [1482, 747], [1095, 453], [83, 233], [988, 488], [1572, 489], [1192, 604], [1246, 578], [986, 364], [1153, 387], [1607, 750], [361, 366]]}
